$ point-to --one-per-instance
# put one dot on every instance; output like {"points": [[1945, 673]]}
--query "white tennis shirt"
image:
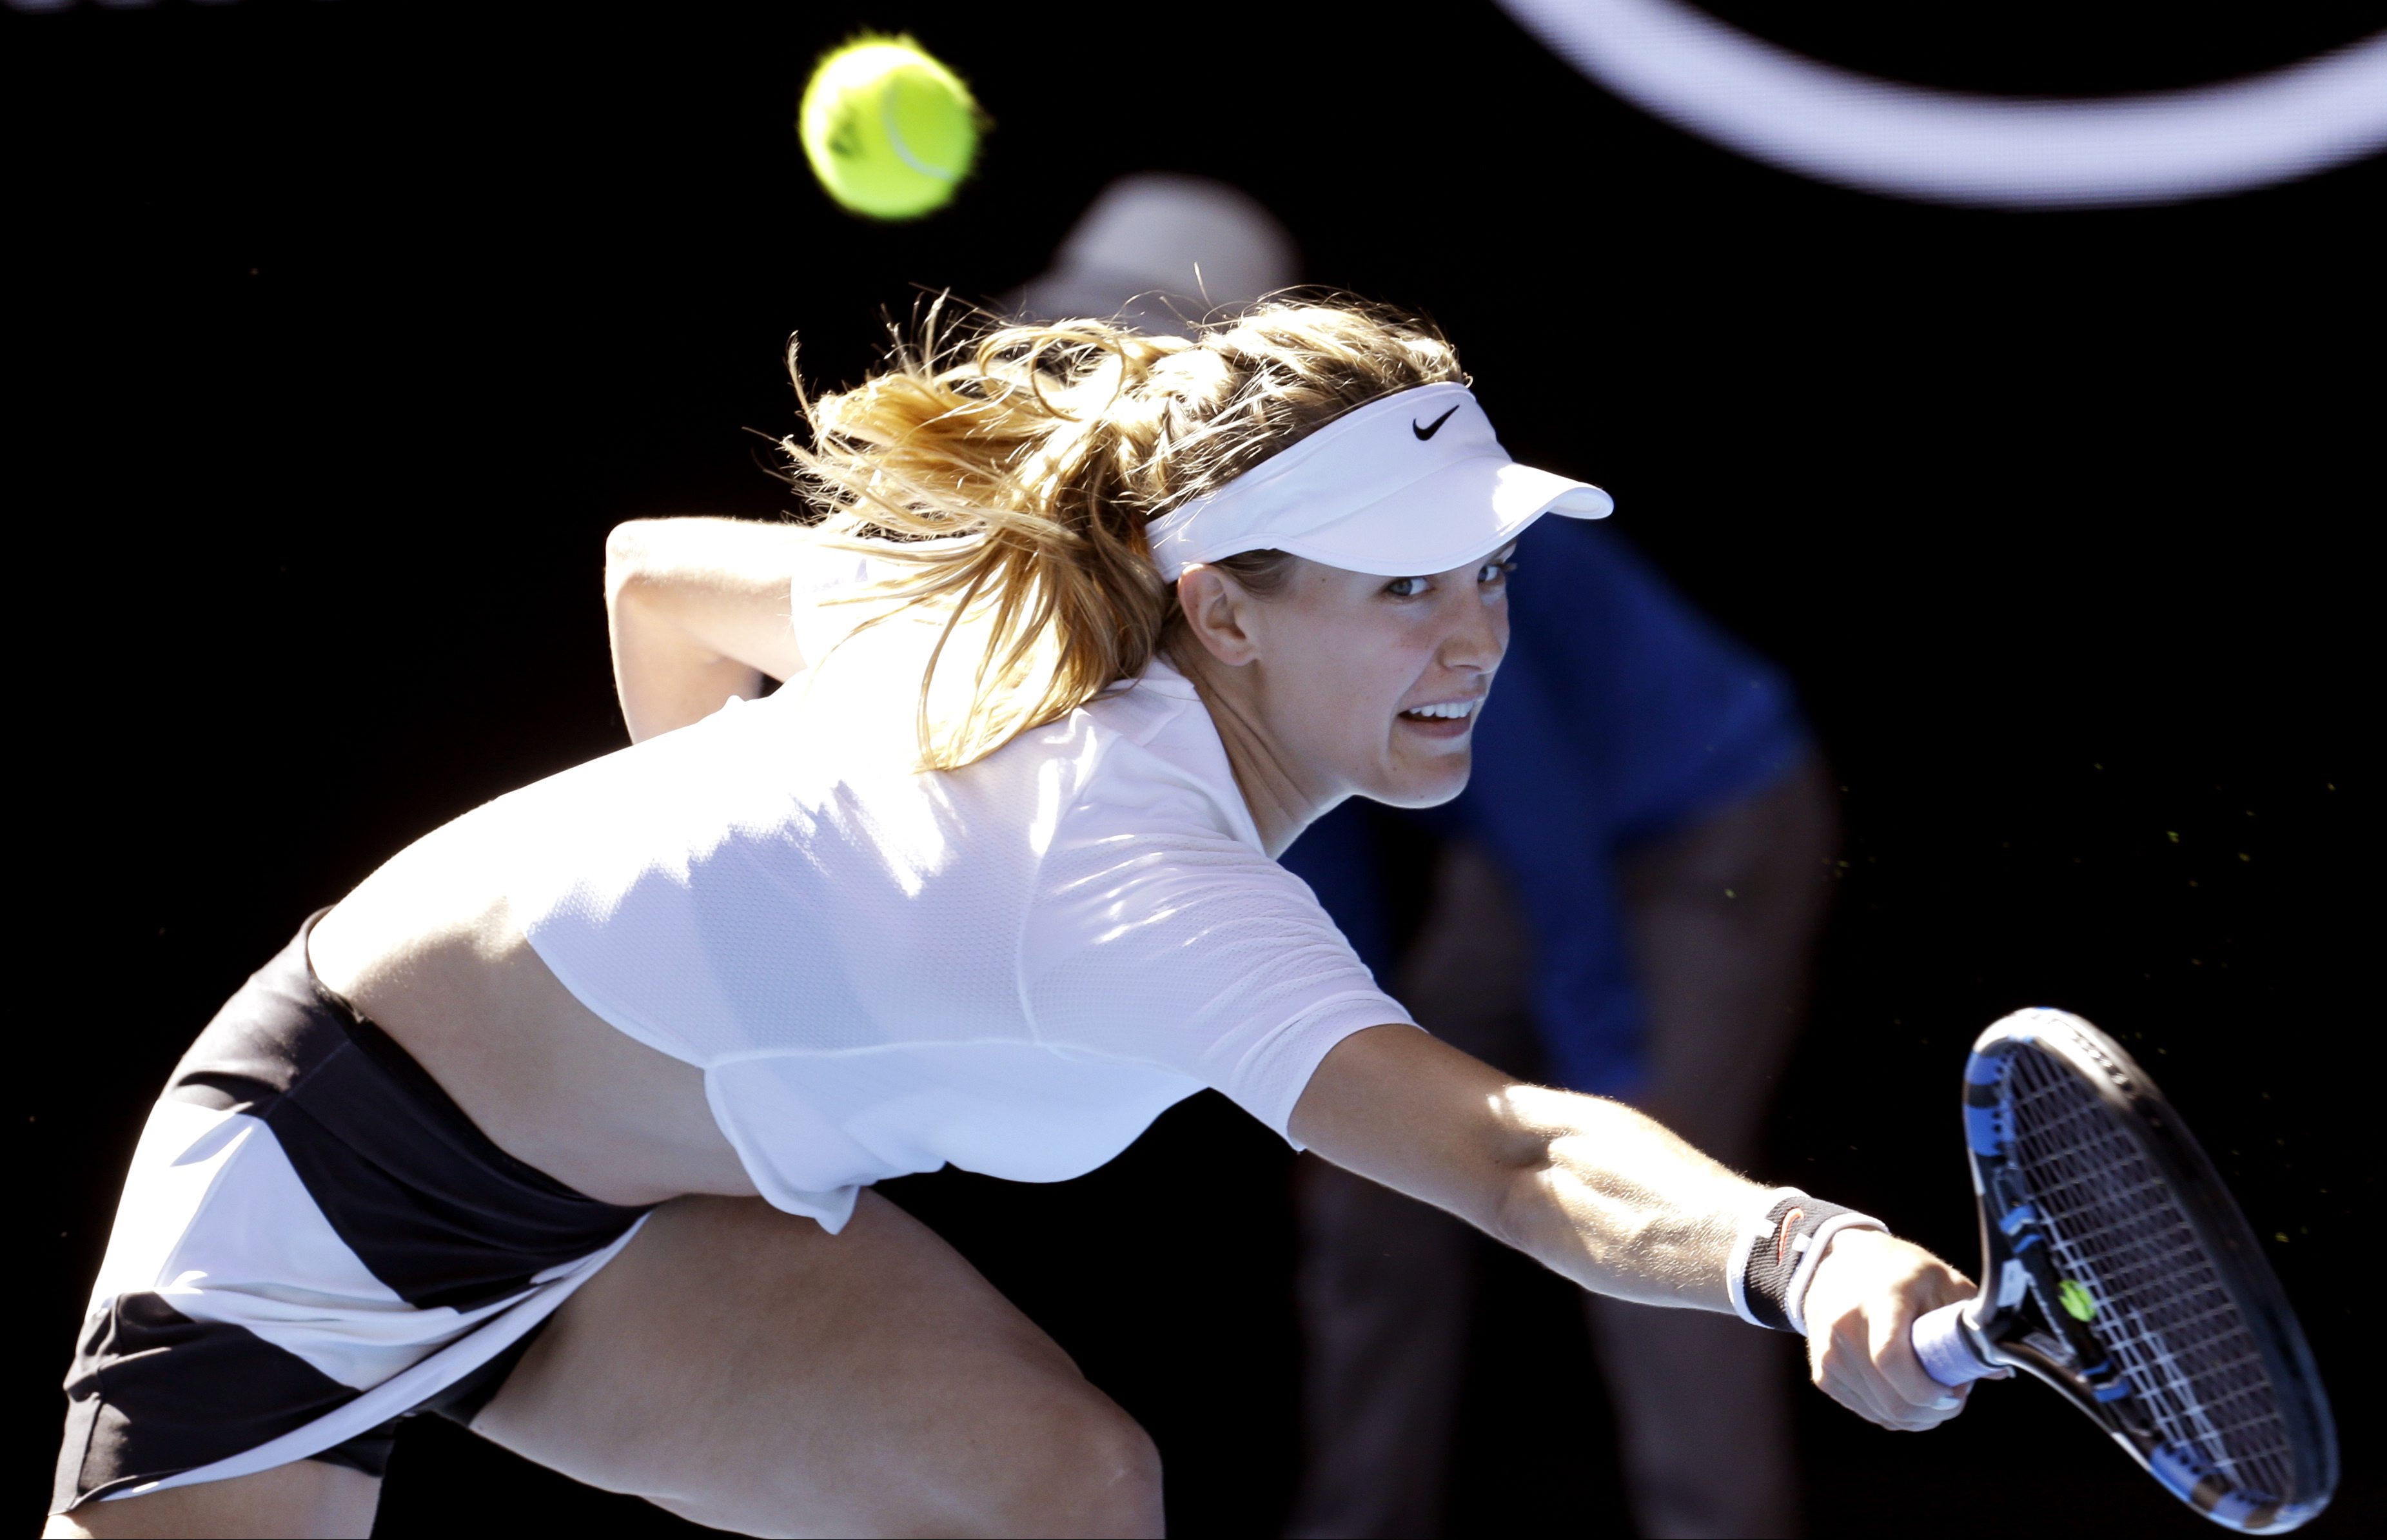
{"points": [[1012, 967]]}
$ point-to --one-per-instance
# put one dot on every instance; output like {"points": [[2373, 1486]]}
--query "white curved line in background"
{"points": [[1946, 146]]}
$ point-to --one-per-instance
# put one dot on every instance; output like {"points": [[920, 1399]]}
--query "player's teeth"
{"points": [[1450, 711]]}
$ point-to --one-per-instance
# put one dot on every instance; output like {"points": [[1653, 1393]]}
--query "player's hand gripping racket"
{"points": [[2115, 1268]]}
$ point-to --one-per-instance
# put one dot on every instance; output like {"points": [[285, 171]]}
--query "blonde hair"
{"points": [[1008, 472]]}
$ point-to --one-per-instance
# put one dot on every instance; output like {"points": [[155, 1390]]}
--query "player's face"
{"points": [[1372, 685]]}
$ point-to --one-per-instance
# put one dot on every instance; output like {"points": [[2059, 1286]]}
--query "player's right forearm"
{"points": [[1588, 1187], [1616, 1201]]}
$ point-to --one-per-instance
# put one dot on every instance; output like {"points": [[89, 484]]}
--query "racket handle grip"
{"points": [[1946, 1343]]}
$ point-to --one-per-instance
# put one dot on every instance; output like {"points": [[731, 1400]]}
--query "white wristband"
{"points": [[1794, 1298]]}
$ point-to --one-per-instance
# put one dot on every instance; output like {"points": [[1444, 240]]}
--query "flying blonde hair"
{"points": [[1008, 472]]}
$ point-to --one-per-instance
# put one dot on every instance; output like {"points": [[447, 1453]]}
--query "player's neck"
{"points": [[1282, 802]]}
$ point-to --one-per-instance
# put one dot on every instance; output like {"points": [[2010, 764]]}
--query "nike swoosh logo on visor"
{"points": [[1430, 428]]}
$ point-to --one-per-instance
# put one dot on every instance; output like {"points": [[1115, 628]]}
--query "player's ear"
{"points": [[1218, 611]]}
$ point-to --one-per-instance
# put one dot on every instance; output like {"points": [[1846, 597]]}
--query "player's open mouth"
{"points": [[1451, 719]]}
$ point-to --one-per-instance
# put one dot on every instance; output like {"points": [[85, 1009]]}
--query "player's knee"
{"points": [[1118, 1492], [1097, 1472]]}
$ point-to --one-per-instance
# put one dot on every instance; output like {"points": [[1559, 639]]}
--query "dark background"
{"points": [[344, 331]]}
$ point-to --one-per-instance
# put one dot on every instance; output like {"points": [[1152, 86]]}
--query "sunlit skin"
{"points": [[1316, 690], [745, 1369]]}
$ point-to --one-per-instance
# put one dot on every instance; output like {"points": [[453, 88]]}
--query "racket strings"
{"points": [[2113, 1228]]}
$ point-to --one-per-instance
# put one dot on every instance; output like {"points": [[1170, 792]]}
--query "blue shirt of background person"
{"points": [[1620, 716]]}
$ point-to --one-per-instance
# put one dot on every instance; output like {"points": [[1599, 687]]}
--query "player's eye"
{"points": [[1406, 587], [1494, 573]]}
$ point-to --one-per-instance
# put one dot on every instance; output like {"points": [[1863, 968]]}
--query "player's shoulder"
{"points": [[1154, 708], [1157, 768]]}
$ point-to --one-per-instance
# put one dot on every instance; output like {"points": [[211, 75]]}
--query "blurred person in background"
{"points": [[1643, 934], [1158, 251], [1623, 903]]}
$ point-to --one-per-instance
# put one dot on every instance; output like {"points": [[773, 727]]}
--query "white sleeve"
{"points": [[1191, 951], [823, 574]]}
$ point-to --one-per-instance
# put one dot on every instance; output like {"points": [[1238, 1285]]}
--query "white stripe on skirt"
{"points": [[215, 1222]]}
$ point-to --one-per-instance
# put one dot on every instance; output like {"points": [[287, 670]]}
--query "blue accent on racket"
{"points": [[2113, 1244]]}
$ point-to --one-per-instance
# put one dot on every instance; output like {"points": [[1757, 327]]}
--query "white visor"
{"points": [[1413, 484]]}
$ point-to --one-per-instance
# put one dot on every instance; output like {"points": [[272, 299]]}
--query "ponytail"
{"points": [[1007, 472]]}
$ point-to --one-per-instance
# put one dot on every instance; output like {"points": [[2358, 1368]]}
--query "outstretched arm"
{"points": [[698, 613], [1608, 1197]]}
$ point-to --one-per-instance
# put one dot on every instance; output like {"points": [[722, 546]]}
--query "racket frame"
{"points": [[2017, 1320]]}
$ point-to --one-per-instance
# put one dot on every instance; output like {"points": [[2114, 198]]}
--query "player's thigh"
{"points": [[748, 1370], [307, 1498]]}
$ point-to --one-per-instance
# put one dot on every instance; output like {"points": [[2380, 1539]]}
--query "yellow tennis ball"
{"points": [[890, 132]]}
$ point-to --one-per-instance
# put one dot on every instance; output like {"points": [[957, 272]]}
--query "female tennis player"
{"points": [[563, 1123]]}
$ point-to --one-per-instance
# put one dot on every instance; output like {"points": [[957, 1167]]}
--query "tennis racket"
{"points": [[2117, 1268]]}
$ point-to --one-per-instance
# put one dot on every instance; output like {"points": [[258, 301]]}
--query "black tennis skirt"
{"points": [[313, 1242]]}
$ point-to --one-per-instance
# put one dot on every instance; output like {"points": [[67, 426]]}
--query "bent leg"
{"points": [[1385, 1285], [308, 1497], [748, 1370], [1703, 1404]]}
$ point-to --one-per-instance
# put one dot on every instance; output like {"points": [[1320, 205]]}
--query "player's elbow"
{"points": [[646, 583], [629, 559]]}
